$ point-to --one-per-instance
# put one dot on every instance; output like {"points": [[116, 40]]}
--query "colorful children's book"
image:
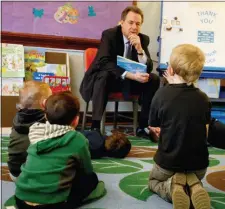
{"points": [[11, 86], [131, 66], [34, 59], [12, 60]]}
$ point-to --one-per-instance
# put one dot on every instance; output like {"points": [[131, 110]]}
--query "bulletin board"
{"points": [[72, 19], [198, 23]]}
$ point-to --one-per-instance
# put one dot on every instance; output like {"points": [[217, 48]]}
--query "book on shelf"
{"points": [[12, 60], [34, 58], [11, 86], [130, 65]]}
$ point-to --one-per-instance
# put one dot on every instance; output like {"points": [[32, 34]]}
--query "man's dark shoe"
{"points": [[147, 134], [142, 133]]}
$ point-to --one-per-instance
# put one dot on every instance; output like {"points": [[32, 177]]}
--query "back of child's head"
{"points": [[187, 61], [117, 145], [62, 108], [32, 94]]}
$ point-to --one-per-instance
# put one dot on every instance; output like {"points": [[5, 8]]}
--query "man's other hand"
{"points": [[141, 77]]}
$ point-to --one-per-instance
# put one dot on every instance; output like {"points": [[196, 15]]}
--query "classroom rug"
{"points": [[126, 179]]}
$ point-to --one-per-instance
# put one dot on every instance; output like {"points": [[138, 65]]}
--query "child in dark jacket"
{"points": [[115, 146], [31, 97], [58, 172]]}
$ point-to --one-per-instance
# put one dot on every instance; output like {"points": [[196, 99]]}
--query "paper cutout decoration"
{"points": [[91, 12], [66, 14], [38, 12]]}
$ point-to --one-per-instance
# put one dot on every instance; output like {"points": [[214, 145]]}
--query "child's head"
{"points": [[117, 145], [63, 109], [187, 61], [33, 94]]}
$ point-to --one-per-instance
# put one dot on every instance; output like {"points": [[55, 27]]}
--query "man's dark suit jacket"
{"points": [[112, 44]]}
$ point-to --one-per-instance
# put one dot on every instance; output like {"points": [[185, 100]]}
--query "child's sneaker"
{"points": [[99, 192], [199, 196], [179, 198]]}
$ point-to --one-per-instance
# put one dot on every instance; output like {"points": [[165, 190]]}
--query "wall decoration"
{"points": [[55, 13], [91, 11], [66, 14], [38, 12]]}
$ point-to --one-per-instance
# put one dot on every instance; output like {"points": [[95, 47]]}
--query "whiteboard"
{"points": [[198, 23]]}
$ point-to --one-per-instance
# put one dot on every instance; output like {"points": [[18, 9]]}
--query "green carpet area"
{"points": [[126, 179]]}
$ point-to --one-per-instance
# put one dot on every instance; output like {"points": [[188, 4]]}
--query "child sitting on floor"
{"points": [[31, 97], [58, 172], [182, 112]]}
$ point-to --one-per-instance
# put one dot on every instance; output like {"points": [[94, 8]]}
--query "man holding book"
{"points": [[105, 76]]}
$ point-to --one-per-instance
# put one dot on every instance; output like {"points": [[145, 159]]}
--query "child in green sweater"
{"points": [[58, 172]]}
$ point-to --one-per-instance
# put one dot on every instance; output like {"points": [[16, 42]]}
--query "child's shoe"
{"points": [[97, 193], [199, 196], [179, 198]]}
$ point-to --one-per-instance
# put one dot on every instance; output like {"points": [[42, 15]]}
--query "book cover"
{"points": [[131, 66], [57, 69], [34, 58], [11, 86], [12, 60], [210, 86]]}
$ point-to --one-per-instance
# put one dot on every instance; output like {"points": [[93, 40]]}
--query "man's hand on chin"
{"points": [[136, 42]]}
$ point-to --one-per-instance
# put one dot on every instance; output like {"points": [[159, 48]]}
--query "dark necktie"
{"points": [[128, 50]]}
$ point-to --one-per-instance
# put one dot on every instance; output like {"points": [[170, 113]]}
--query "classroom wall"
{"points": [[26, 22], [151, 25]]}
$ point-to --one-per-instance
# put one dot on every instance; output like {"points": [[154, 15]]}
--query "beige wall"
{"points": [[151, 25]]}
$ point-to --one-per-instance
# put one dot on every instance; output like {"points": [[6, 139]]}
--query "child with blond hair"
{"points": [[31, 97], [182, 112]]}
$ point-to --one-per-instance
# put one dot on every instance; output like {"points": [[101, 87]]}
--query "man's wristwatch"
{"points": [[142, 53]]}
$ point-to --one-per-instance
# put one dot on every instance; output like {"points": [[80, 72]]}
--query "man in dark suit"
{"points": [[104, 76]]}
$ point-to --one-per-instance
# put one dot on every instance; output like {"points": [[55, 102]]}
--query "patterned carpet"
{"points": [[126, 179]]}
